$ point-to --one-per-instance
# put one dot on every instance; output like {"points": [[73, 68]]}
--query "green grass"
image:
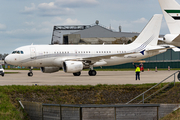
{"points": [[19, 69], [11, 72], [7, 110], [172, 116]]}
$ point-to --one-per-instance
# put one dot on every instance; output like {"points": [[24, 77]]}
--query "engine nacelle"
{"points": [[170, 37], [50, 69], [72, 66]]}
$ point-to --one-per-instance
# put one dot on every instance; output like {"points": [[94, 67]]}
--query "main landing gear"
{"points": [[92, 73], [30, 73]]}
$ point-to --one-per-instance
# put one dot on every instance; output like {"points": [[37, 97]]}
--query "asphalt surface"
{"points": [[102, 77]]}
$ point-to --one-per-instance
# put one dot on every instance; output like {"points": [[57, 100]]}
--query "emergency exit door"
{"points": [[32, 52]]}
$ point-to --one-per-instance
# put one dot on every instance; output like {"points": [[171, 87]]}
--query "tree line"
{"points": [[2, 56]]}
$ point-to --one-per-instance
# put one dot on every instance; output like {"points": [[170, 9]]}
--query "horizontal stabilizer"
{"points": [[176, 49]]}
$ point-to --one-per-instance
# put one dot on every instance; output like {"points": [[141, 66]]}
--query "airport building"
{"points": [[90, 34]]}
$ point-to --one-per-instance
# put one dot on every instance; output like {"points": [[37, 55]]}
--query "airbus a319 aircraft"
{"points": [[75, 58]]}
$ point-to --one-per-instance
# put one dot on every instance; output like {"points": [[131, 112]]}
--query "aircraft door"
{"points": [[32, 52]]}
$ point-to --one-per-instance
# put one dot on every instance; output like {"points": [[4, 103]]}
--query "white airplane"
{"points": [[75, 58], [171, 11]]}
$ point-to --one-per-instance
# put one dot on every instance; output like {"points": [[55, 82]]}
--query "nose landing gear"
{"points": [[30, 73]]}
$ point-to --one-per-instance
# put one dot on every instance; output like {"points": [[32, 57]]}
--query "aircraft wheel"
{"points": [[30, 74], [77, 74], [92, 73]]}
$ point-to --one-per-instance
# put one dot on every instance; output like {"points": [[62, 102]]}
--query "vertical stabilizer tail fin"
{"points": [[150, 34], [171, 11]]}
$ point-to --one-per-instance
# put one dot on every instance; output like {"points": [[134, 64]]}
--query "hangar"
{"points": [[90, 34], [99, 34]]}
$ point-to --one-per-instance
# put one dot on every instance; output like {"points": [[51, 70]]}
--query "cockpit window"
{"points": [[17, 52], [13, 52]]}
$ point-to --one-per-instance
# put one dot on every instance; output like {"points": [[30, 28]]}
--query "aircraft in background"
{"points": [[75, 58], [171, 11]]}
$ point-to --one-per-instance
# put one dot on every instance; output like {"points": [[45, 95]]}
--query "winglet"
{"points": [[142, 52]]}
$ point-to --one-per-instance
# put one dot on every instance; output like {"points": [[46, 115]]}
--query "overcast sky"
{"points": [[23, 22]]}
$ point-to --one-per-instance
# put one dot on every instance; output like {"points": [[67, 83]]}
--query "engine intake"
{"points": [[72, 66]]}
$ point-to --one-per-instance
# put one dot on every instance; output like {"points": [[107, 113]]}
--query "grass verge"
{"points": [[172, 116]]}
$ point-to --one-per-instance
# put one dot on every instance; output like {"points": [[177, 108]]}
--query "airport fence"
{"points": [[100, 112]]}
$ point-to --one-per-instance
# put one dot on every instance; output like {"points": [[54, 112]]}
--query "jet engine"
{"points": [[72, 66], [170, 37], [49, 69]]}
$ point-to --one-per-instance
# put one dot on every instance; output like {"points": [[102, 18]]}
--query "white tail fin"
{"points": [[150, 34], [171, 11]]}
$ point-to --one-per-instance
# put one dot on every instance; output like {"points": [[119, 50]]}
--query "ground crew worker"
{"points": [[137, 71]]}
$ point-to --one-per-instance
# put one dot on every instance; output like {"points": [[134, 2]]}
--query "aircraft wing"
{"points": [[94, 59]]}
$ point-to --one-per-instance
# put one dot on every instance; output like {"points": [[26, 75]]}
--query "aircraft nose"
{"points": [[7, 59]]}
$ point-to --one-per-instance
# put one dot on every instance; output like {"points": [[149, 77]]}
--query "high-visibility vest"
{"points": [[137, 69]]}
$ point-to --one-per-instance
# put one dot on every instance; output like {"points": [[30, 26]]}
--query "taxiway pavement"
{"points": [[102, 77]]}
